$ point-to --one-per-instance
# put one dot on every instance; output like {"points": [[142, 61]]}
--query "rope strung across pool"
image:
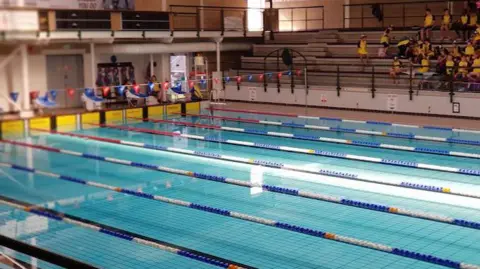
{"points": [[403, 184], [361, 131], [118, 233], [268, 188], [318, 138], [339, 155], [241, 216], [349, 121]]}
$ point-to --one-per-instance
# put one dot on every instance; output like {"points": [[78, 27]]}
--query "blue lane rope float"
{"points": [[269, 188], [250, 161], [368, 132], [457, 130], [245, 217], [321, 139], [119, 233], [323, 153]]}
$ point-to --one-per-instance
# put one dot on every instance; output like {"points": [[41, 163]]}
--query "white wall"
{"points": [[37, 74], [358, 98]]}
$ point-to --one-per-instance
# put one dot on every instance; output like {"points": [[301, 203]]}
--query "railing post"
{"points": [[238, 83], [198, 22], [245, 23], [338, 81], [222, 21], [278, 71], [305, 74], [362, 15], [291, 20], [306, 19], [373, 82], [383, 21], [323, 16], [410, 92], [452, 92]]}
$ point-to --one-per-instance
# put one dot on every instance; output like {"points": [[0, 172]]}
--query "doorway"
{"points": [[65, 72]]}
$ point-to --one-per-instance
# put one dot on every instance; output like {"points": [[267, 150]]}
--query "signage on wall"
{"points": [[323, 98], [392, 102], [18, 20], [252, 94], [456, 107], [72, 4]]}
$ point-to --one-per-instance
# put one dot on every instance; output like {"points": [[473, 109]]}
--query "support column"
{"points": [[164, 5], [151, 66], [219, 60], [25, 79], [93, 64]]}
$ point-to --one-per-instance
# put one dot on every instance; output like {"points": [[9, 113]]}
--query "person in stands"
{"points": [[475, 74], [362, 49], [157, 92], [402, 46], [469, 50], [427, 50], [385, 41], [449, 66], [472, 22], [428, 24], [446, 23], [462, 70], [396, 70], [462, 26]]}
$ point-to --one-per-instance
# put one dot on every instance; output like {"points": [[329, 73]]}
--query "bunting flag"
{"points": [[239, 79], [151, 85], [279, 75], [250, 77], [299, 73], [14, 96], [191, 84], [106, 91], [53, 94], [227, 79], [216, 80], [71, 92], [289, 73], [203, 81], [121, 90], [262, 76], [269, 75], [166, 85], [136, 88], [33, 95]]}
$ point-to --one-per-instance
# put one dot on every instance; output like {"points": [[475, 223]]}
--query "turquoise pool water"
{"points": [[237, 240]]}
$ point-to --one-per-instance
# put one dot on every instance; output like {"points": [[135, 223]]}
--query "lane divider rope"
{"points": [[119, 233], [359, 131], [328, 154], [250, 218], [316, 138], [249, 161], [268, 188]]}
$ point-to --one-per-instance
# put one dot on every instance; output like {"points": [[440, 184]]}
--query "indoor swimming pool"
{"points": [[246, 190]]}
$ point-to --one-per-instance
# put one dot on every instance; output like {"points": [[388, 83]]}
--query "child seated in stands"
{"points": [[462, 25], [469, 49], [476, 37], [456, 51], [462, 68], [428, 24], [427, 49], [396, 69], [446, 21], [475, 74], [472, 22], [449, 66], [362, 49], [425, 63]]}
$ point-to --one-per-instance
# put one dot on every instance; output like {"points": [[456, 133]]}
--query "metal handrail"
{"points": [[12, 260]]}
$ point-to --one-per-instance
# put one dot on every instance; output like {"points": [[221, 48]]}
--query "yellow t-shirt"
{"points": [[385, 39], [446, 19], [396, 65], [473, 20], [403, 42], [450, 65], [362, 47], [425, 66], [469, 50], [463, 67], [428, 21], [476, 63], [464, 19]]}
